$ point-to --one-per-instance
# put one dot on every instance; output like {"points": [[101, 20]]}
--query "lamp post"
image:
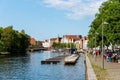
{"points": [[102, 47], [103, 43]]}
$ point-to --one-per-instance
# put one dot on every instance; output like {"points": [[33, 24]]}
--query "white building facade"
{"points": [[46, 43]]}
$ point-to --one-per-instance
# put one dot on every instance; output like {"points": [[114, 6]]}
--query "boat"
{"points": [[71, 59], [4, 53]]}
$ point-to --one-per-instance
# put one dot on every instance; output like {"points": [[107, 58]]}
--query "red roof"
{"points": [[74, 37], [53, 39]]}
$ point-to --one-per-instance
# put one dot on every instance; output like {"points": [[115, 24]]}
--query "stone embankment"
{"points": [[90, 74]]}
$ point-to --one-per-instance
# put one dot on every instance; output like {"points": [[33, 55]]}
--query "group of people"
{"points": [[96, 53], [112, 56], [108, 55]]}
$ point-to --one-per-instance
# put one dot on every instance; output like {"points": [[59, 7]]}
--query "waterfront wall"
{"points": [[90, 74]]}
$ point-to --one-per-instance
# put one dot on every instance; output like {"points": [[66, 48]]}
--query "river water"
{"points": [[29, 67]]}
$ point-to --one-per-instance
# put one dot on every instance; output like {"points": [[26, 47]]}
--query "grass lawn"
{"points": [[101, 73]]}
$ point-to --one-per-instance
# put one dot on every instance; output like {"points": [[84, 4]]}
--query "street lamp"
{"points": [[102, 42]]}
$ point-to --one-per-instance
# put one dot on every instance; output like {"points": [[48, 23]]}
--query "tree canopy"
{"points": [[13, 41], [62, 45], [109, 12]]}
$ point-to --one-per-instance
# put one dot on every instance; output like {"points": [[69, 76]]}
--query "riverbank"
{"points": [[111, 70], [90, 75]]}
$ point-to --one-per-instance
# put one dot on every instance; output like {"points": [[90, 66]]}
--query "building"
{"points": [[76, 39], [46, 43], [39, 43], [85, 42], [70, 38], [32, 41], [79, 44], [52, 40]]}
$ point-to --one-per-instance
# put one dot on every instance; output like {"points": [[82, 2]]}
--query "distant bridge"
{"points": [[36, 49]]}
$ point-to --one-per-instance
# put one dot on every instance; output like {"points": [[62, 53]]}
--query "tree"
{"points": [[7, 38], [1, 42], [108, 12], [54, 45], [13, 41]]}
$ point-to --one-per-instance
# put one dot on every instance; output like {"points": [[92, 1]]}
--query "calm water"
{"points": [[29, 68]]}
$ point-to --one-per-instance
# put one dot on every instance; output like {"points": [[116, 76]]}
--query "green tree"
{"points": [[1, 43], [1, 46], [108, 12], [7, 37], [13, 41]]}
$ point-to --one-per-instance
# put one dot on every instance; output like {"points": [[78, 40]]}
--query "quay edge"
{"points": [[90, 74]]}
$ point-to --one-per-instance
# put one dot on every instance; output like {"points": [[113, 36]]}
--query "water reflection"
{"points": [[28, 67]]}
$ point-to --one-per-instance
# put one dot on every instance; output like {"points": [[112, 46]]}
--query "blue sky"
{"points": [[44, 19]]}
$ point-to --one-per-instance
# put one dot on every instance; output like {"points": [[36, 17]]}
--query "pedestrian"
{"points": [[109, 56]]}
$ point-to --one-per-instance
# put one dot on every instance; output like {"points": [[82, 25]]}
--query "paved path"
{"points": [[112, 68]]}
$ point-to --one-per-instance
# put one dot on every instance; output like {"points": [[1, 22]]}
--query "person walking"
{"points": [[109, 56]]}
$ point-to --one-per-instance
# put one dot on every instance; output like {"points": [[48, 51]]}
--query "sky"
{"points": [[45, 19]]}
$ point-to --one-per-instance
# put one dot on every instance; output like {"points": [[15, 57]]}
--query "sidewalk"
{"points": [[112, 68]]}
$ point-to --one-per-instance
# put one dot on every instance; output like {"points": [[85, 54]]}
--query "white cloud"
{"points": [[76, 9]]}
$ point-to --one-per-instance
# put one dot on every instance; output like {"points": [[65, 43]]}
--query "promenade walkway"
{"points": [[112, 68]]}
